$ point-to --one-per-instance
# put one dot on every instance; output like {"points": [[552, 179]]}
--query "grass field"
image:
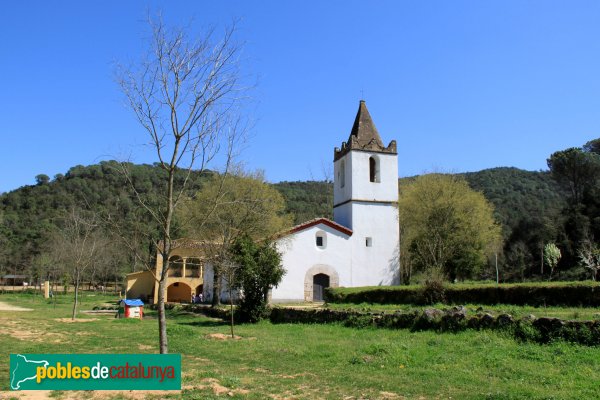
{"points": [[310, 361]]}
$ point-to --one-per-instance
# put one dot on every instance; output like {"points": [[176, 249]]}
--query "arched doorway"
{"points": [[179, 292], [316, 279], [320, 282]]}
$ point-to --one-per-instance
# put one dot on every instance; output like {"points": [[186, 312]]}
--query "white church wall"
{"points": [[342, 193], [362, 188], [342, 214], [376, 264], [300, 253]]}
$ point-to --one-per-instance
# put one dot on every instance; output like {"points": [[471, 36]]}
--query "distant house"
{"points": [[13, 280], [185, 276]]}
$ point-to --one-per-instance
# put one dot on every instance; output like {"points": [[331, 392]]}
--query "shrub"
{"points": [[580, 332], [524, 331], [359, 321], [434, 290], [453, 322], [429, 319]]}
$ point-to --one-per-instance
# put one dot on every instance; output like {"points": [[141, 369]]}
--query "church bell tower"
{"points": [[365, 195], [366, 173]]}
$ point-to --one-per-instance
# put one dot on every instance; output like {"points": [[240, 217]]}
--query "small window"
{"points": [[369, 241], [321, 240], [374, 169], [342, 173]]}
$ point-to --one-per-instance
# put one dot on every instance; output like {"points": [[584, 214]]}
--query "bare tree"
{"points": [[75, 246], [589, 257], [185, 94]]}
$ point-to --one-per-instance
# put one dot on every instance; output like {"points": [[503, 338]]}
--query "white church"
{"points": [[360, 247]]}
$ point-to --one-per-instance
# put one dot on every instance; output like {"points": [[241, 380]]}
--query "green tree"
{"points": [[259, 271], [593, 146], [229, 207], [577, 170], [42, 179], [446, 225], [551, 256]]}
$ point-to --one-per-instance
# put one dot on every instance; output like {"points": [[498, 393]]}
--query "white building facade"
{"points": [[360, 247]]}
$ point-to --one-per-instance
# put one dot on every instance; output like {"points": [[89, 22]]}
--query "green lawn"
{"points": [[313, 361]]}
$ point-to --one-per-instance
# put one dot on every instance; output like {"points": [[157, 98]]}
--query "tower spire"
{"points": [[364, 135], [363, 129]]}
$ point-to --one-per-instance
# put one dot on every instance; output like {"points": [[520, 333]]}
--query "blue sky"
{"points": [[461, 85]]}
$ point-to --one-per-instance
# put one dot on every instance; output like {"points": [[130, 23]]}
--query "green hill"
{"points": [[525, 203]]}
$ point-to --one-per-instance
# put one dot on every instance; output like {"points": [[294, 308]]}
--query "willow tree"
{"points": [[446, 226], [185, 94]]}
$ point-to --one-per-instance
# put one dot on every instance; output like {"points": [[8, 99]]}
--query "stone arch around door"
{"points": [[334, 279]]}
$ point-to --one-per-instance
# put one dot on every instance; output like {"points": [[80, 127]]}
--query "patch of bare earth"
{"points": [[28, 333], [216, 387], [390, 395], [306, 393], [70, 321], [8, 307], [296, 375], [197, 359], [222, 336]]}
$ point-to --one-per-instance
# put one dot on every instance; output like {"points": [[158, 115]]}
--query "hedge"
{"points": [[527, 329], [455, 319], [566, 294]]}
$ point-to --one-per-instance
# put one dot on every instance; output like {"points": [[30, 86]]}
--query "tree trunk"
{"points": [[76, 294], [162, 318], [216, 299], [231, 309]]}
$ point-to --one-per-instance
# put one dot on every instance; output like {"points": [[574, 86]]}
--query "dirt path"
{"points": [[8, 307]]}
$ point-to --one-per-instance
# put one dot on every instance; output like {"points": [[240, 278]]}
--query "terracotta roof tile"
{"points": [[313, 222]]}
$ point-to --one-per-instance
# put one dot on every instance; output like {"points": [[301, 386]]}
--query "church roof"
{"points": [[317, 221], [364, 136], [364, 130]]}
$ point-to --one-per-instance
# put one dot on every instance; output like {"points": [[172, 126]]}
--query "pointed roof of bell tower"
{"points": [[364, 136], [364, 130]]}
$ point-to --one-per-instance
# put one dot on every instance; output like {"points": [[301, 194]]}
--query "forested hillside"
{"points": [[30, 216], [533, 209], [518, 195], [307, 200]]}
